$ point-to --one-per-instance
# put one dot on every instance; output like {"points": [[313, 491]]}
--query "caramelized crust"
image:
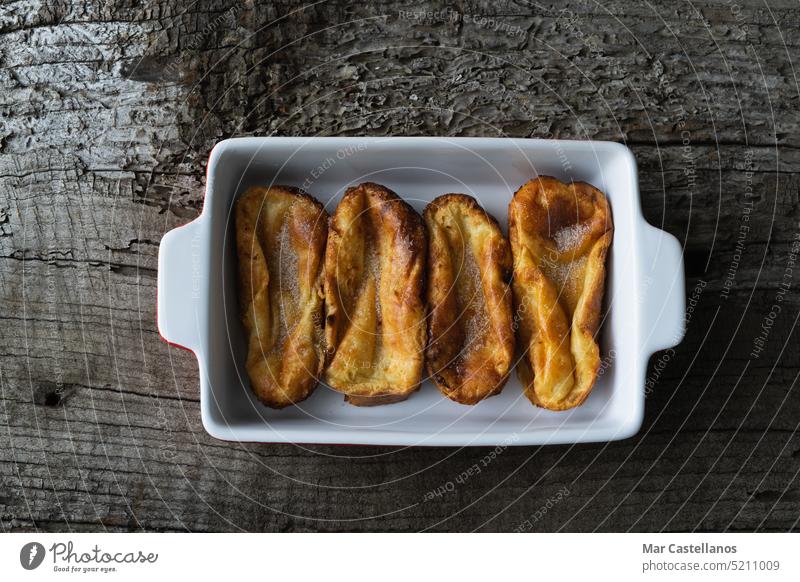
{"points": [[560, 235], [280, 241], [470, 336], [375, 315]]}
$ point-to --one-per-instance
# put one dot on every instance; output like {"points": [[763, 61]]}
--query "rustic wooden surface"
{"points": [[108, 111]]}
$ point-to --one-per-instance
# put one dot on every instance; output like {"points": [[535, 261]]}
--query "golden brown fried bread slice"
{"points": [[560, 234], [470, 336], [280, 241], [375, 312]]}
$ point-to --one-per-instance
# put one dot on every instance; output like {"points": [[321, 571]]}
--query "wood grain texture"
{"points": [[108, 112]]}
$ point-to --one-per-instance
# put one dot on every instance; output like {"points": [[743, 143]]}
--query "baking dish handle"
{"points": [[664, 305], [179, 285]]}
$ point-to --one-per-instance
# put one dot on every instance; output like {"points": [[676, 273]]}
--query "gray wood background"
{"points": [[108, 110]]}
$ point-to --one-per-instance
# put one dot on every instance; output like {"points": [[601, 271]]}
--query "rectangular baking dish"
{"points": [[197, 299]]}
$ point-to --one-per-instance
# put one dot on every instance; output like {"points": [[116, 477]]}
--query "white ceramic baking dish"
{"points": [[197, 299]]}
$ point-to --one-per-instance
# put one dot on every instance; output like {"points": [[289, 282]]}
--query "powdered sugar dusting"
{"points": [[564, 273], [570, 237], [373, 268], [287, 281], [475, 315]]}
